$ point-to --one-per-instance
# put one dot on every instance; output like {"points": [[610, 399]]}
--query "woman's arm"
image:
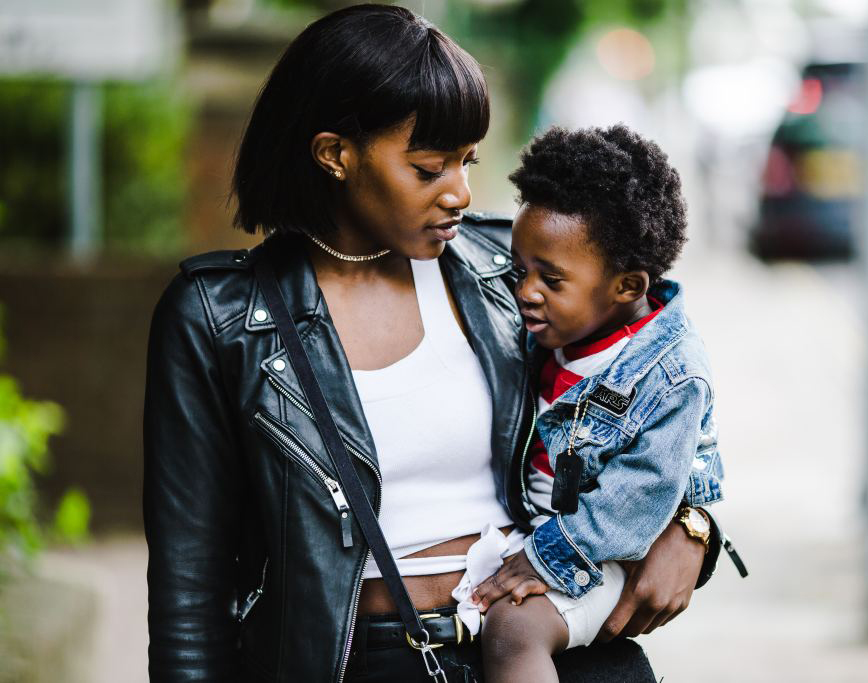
{"points": [[191, 497], [658, 587]]}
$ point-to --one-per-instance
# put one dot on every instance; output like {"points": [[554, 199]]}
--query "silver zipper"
{"points": [[304, 409], [354, 604], [289, 397], [331, 485], [354, 613], [526, 447], [253, 596]]}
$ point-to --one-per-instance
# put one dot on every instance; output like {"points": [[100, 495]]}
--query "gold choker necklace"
{"points": [[346, 257]]}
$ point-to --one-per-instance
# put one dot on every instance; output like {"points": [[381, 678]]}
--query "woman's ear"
{"points": [[329, 151], [632, 286]]}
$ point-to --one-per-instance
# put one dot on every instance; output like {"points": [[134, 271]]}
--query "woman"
{"points": [[355, 162]]}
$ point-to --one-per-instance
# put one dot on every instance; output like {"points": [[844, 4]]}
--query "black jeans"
{"points": [[622, 661]]}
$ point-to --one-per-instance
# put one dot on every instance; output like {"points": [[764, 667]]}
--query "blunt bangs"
{"points": [[356, 72], [452, 105]]}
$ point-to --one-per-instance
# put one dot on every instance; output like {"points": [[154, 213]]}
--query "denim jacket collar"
{"points": [[645, 348]]}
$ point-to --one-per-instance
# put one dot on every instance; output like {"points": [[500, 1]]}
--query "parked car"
{"points": [[813, 187]]}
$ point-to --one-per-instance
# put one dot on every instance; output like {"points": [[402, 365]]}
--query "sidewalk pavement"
{"points": [[789, 359]]}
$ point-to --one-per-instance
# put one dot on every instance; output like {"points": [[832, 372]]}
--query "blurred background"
{"points": [[118, 124]]}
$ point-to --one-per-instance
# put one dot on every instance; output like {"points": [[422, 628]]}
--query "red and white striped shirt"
{"points": [[564, 368]]}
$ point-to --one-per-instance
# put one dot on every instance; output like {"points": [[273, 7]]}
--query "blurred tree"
{"points": [[527, 40], [25, 427], [145, 129]]}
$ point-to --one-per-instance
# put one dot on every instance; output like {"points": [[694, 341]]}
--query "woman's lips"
{"points": [[446, 230], [445, 233]]}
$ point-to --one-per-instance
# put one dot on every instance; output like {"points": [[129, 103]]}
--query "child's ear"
{"points": [[632, 286]]}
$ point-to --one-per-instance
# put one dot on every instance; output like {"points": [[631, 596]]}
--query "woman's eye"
{"points": [[427, 175], [474, 160]]}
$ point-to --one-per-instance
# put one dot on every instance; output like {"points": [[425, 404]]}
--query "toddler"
{"points": [[627, 441]]}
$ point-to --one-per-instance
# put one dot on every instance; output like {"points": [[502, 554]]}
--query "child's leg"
{"points": [[518, 641]]}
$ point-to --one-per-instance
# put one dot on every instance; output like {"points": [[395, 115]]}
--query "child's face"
{"points": [[564, 291]]}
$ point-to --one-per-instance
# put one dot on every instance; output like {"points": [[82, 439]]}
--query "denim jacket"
{"points": [[647, 437]]}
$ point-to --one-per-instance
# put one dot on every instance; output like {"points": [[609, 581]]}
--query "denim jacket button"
{"points": [[582, 577]]}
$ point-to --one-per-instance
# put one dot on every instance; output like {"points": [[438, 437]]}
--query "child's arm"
{"points": [[636, 496]]}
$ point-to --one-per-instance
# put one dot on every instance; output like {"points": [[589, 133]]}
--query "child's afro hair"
{"points": [[621, 186]]}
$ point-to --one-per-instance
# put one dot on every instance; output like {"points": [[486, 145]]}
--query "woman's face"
{"points": [[406, 200]]}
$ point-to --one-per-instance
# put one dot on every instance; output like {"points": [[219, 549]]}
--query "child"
{"points": [[625, 396]]}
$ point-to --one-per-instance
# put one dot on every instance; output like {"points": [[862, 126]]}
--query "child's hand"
{"points": [[516, 577]]}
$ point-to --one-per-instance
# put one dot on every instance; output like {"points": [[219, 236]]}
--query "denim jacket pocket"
{"points": [[593, 438]]}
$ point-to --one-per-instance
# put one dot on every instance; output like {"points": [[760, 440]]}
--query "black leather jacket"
{"points": [[248, 576]]}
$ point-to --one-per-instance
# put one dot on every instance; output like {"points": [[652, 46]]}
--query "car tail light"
{"points": [[809, 97], [779, 177]]}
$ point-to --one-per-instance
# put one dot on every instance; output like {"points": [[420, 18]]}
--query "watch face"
{"points": [[698, 522]]}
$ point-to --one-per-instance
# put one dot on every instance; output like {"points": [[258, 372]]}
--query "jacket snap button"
{"points": [[582, 577], [583, 433], [260, 315], [517, 319], [499, 259], [279, 365]]}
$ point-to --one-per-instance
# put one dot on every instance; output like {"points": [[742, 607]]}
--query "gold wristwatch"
{"points": [[695, 524]]}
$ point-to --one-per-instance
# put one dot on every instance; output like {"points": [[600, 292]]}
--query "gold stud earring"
{"points": [[338, 174]]}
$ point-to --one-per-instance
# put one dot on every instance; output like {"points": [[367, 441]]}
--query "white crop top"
{"points": [[430, 416]]}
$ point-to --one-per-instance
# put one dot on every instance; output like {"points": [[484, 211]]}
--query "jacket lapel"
{"points": [[493, 333], [297, 279]]}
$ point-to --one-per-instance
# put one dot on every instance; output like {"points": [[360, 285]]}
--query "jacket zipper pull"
{"points": [[343, 511]]}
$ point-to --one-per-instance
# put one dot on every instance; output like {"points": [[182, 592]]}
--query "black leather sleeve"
{"points": [[191, 498]]}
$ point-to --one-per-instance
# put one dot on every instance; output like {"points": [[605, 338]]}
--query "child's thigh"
{"points": [[534, 624]]}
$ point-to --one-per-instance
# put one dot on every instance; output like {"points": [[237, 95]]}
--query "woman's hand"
{"points": [[658, 588], [516, 577]]}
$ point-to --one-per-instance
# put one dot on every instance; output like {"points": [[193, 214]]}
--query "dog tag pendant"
{"points": [[565, 491]]}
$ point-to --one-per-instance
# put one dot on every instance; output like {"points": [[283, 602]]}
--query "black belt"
{"points": [[444, 627]]}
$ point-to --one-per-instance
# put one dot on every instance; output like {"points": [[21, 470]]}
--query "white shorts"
{"points": [[585, 615]]}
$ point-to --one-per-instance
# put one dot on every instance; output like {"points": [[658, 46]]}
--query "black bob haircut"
{"points": [[620, 184], [356, 72]]}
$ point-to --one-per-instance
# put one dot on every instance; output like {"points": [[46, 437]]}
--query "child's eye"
{"points": [[550, 281]]}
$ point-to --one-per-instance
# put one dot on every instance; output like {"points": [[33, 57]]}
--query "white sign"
{"points": [[88, 39]]}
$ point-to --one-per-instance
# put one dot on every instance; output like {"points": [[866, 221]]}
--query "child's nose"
{"points": [[529, 296]]}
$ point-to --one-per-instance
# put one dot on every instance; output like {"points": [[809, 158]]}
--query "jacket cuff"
{"points": [[560, 563]]}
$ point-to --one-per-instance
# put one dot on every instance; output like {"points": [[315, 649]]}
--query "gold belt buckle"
{"points": [[418, 646]]}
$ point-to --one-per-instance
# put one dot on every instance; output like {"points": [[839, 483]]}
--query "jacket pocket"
{"points": [[291, 446]]}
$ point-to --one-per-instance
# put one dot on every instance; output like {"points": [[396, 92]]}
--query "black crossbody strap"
{"points": [[342, 461]]}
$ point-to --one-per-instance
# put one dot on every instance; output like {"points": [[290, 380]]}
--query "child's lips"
{"points": [[533, 324]]}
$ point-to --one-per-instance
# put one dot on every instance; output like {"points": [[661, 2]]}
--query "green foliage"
{"points": [[528, 40], [144, 136], [25, 428], [73, 516]]}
